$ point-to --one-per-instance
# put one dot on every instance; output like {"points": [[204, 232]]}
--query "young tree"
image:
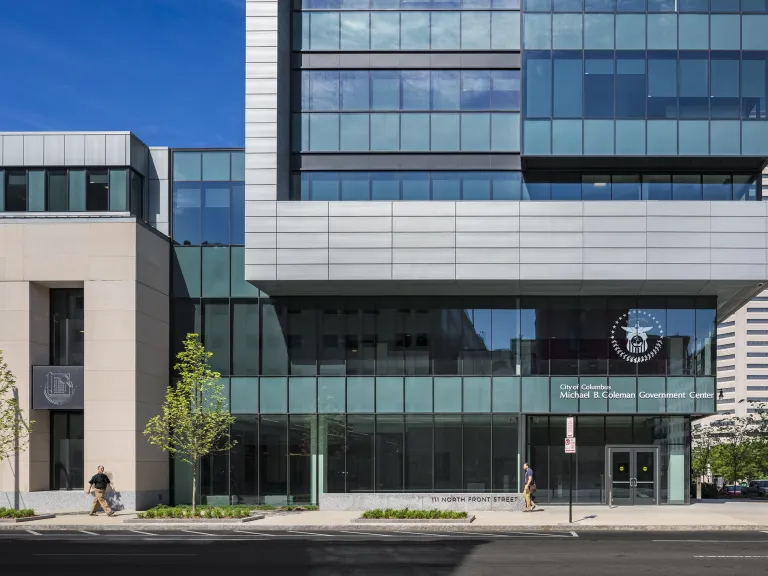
{"points": [[14, 430], [702, 446], [195, 420], [733, 456], [761, 441]]}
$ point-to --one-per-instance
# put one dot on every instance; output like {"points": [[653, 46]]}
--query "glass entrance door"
{"points": [[632, 477], [644, 461]]}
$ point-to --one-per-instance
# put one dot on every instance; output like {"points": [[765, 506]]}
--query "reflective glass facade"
{"points": [[677, 80], [386, 30], [407, 132], [208, 198], [416, 111], [384, 186], [418, 90]]}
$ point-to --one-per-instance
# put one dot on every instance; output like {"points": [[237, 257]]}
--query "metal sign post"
{"points": [[570, 449]]}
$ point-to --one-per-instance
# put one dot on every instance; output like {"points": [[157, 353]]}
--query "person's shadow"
{"points": [[113, 496]]}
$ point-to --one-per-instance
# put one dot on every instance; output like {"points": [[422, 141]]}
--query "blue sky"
{"points": [[171, 71]]}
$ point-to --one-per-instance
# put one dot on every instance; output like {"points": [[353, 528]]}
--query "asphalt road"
{"points": [[369, 552]]}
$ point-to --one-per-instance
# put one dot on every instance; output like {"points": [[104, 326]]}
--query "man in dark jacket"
{"points": [[99, 484]]}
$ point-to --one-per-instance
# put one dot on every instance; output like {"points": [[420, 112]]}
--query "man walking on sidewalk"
{"points": [[530, 488], [99, 484]]}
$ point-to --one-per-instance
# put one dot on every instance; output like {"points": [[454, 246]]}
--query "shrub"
{"points": [[13, 513], [405, 513], [236, 511]]}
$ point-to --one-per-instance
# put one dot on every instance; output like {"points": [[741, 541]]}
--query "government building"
{"points": [[455, 223]]}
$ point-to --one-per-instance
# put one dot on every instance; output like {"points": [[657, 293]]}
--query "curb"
{"points": [[188, 522], [395, 527], [467, 520], [27, 519]]}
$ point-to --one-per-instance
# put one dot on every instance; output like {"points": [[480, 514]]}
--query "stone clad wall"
{"points": [[460, 501]]}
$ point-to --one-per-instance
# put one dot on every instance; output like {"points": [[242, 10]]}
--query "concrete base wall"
{"points": [[60, 501], [508, 502]]}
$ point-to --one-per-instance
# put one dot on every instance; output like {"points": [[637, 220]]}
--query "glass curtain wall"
{"points": [[373, 186], [400, 337], [414, 110], [281, 458], [397, 28], [605, 78]]}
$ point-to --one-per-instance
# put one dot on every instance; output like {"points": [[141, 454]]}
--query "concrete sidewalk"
{"points": [[732, 515]]}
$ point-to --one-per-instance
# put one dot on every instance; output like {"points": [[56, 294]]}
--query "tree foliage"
{"points": [[14, 429], [195, 419], [735, 448], [702, 445]]}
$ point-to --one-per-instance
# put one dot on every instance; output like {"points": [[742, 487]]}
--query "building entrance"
{"points": [[632, 475]]}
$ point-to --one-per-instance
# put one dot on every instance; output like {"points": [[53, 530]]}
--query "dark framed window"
{"points": [[67, 450], [57, 191], [67, 327], [15, 191], [97, 191]]}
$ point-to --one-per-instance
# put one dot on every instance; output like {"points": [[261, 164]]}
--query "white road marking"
{"points": [[254, 533], [201, 533], [86, 532], [310, 533], [366, 533], [574, 534], [205, 539], [126, 554], [498, 535], [544, 534], [140, 532], [423, 534], [730, 556], [716, 541], [33, 532]]}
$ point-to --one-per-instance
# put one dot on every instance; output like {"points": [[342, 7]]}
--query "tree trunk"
{"points": [[194, 488]]}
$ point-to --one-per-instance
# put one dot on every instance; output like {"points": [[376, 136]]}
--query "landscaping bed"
{"points": [[214, 514], [12, 516], [406, 516]]}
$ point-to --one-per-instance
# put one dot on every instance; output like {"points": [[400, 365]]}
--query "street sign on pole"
{"points": [[570, 449]]}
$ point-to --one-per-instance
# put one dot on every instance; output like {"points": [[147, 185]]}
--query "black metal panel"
{"points": [[646, 164], [407, 60], [425, 162], [58, 388]]}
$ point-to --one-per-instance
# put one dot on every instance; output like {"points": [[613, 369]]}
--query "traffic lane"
{"points": [[457, 557], [279, 556]]}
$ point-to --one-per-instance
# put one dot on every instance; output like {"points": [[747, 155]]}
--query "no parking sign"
{"points": [[570, 445]]}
